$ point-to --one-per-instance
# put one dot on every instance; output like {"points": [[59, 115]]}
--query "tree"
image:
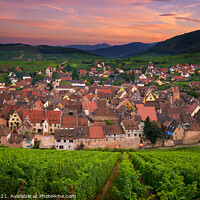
{"points": [[152, 131], [132, 76], [69, 68], [50, 86], [75, 74], [196, 72], [7, 80]]}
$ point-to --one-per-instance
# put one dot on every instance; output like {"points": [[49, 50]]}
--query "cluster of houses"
{"points": [[74, 116]]}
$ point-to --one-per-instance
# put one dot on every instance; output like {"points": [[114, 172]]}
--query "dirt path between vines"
{"points": [[106, 186]]}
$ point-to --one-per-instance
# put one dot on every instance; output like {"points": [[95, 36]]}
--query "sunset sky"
{"points": [[65, 22]]}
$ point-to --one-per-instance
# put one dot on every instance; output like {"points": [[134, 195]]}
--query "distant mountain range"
{"points": [[122, 51], [89, 47], [186, 43]]}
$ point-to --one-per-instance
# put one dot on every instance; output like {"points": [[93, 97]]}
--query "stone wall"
{"points": [[191, 137]]}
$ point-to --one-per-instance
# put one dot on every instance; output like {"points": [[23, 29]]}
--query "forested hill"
{"points": [[186, 43], [23, 52]]}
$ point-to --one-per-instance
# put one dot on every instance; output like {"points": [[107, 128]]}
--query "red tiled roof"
{"points": [[63, 78], [91, 105], [105, 91], [144, 112], [68, 121], [69, 78], [83, 71], [38, 116], [96, 132], [192, 108]]}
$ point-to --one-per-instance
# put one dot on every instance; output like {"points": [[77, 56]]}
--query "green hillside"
{"points": [[186, 43], [22, 52]]}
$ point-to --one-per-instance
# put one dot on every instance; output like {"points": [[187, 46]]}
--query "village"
{"points": [[101, 106]]}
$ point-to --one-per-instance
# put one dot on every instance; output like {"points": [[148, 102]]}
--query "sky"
{"points": [[66, 22]]}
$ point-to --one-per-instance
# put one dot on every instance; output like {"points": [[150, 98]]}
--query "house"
{"points": [[115, 136], [133, 133], [89, 107], [193, 109], [175, 129], [38, 105], [103, 112], [185, 74], [15, 120], [145, 112], [130, 107], [43, 121], [82, 72], [28, 141], [107, 83], [4, 134], [71, 139], [77, 83], [164, 70], [26, 127], [178, 78], [142, 77], [48, 70], [71, 122], [26, 77], [172, 69]]}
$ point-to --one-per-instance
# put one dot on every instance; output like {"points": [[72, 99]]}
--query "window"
{"points": [[106, 139], [114, 139], [135, 135], [70, 141], [51, 130], [54, 125], [34, 129], [69, 146], [58, 140], [58, 126], [61, 147], [128, 135], [64, 140], [40, 124], [50, 125]]}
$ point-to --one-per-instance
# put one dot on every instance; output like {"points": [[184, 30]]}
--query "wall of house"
{"points": [[22, 130], [178, 133], [65, 144], [13, 120], [27, 144], [191, 137]]}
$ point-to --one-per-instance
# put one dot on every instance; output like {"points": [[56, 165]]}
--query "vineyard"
{"points": [[161, 174], [52, 172]]}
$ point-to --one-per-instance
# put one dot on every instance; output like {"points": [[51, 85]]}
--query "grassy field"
{"points": [[30, 66]]}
